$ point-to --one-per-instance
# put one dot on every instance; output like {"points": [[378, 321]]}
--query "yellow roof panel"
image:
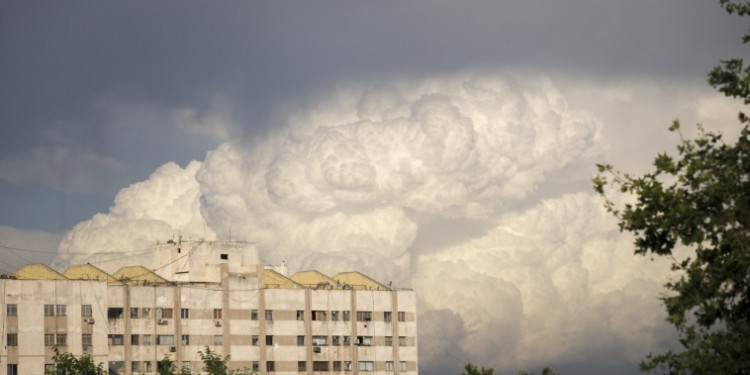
{"points": [[313, 279], [89, 272], [357, 280], [38, 271], [273, 279], [138, 275]]}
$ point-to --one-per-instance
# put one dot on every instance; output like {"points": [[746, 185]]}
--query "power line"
{"points": [[70, 252]]}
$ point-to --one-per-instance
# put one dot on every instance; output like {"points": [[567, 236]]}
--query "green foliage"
{"points": [[699, 199], [68, 364], [166, 367], [473, 370], [213, 363], [545, 371], [470, 369]]}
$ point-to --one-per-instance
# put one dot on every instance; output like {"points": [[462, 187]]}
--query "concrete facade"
{"points": [[213, 294]]}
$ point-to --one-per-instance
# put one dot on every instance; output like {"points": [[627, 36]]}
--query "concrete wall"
{"points": [[30, 324], [135, 326]]}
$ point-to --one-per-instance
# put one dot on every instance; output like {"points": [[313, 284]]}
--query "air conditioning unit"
{"points": [[161, 322], [90, 321], [217, 323], [316, 349], [173, 349]]}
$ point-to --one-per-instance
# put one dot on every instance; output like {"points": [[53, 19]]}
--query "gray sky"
{"points": [[95, 96], [71, 69]]}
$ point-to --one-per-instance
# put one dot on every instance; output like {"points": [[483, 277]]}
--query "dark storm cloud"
{"points": [[105, 78], [60, 57]]}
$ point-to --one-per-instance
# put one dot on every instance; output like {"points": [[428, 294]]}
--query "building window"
{"points": [[135, 366], [11, 309], [320, 340], [389, 366], [364, 340], [347, 340], [224, 256], [401, 316], [146, 312], [49, 368], [185, 339], [49, 339], [300, 315], [346, 316], [217, 313], [49, 310], [387, 316], [62, 339], [116, 367], [366, 365], [146, 339], [148, 366], [301, 366], [253, 314], [336, 365], [115, 339], [347, 365], [134, 313], [86, 339], [256, 366], [334, 316], [163, 313], [402, 341], [335, 340], [184, 313], [218, 340], [12, 369], [270, 366], [61, 310], [319, 315], [269, 339], [320, 366], [12, 339], [402, 366], [300, 340], [256, 340], [135, 340], [389, 341], [114, 313], [364, 316], [269, 315], [85, 311], [164, 339]]}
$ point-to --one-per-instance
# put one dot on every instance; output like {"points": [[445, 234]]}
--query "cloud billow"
{"points": [[366, 178]]}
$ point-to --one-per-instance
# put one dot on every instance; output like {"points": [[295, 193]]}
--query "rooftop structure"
{"points": [[214, 294]]}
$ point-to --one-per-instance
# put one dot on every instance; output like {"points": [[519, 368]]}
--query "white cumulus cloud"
{"points": [[472, 189], [165, 205]]}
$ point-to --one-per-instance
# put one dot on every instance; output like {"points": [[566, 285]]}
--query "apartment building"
{"points": [[214, 294]]}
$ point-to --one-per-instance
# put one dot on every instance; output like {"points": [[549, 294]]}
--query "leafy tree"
{"points": [[699, 199], [68, 364], [213, 363], [168, 367], [474, 370]]}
